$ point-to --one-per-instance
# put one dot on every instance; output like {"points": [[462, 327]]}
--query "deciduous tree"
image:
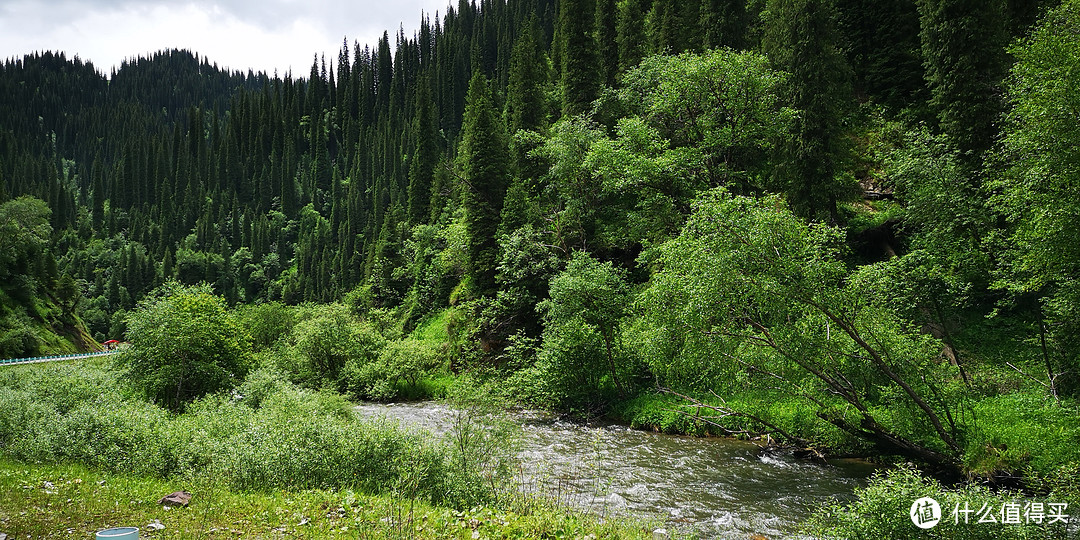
{"points": [[184, 344]]}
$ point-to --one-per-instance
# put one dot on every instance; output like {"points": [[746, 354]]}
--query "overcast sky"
{"points": [[259, 35]]}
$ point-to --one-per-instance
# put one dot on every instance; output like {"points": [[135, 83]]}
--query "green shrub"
{"points": [[27, 426], [184, 344], [883, 510], [266, 323], [115, 435], [327, 346]]}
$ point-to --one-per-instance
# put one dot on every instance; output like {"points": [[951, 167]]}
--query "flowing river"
{"points": [[715, 488]]}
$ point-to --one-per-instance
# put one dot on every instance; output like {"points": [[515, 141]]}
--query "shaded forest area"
{"points": [[854, 220]]}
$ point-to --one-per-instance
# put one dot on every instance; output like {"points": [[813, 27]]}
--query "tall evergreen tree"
{"points": [[607, 46], [723, 23], [801, 38], [484, 168], [425, 154], [666, 33], [577, 54], [884, 50], [630, 33], [963, 49], [526, 104]]}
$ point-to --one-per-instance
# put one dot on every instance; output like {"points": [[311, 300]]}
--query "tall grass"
{"points": [[269, 434]]}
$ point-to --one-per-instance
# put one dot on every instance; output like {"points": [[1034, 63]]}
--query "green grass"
{"points": [[670, 414], [433, 329], [72, 501], [79, 452], [1023, 431]]}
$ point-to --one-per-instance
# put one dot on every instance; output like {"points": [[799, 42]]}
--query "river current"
{"points": [[711, 487]]}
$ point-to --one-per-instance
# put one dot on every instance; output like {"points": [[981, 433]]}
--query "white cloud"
{"points": [[276, 34]]}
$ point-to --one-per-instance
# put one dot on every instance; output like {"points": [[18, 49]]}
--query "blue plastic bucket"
{"points": [[119, 533]]}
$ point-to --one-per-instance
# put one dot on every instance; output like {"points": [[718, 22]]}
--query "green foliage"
{"points": [[399, 370], [20, 337], [526, 265], [270, 436], [24, 233], [724, 24], [525, 101], [748, 296], [883, 511], [630, 33], [279, 191], [266, 323], [722, 103], [944, 215], [582, 359], [431, 272], [482, 444], [884, 51], [1039, 184], [326, 344], [185, 344], [963, 47], [580, 78], [577, 194], [1023, 433], [485, 167], [801, 37]]}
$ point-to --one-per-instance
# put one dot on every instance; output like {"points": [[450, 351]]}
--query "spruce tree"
{"points": [[577, 54], [801, 38], [723, 23], [607, 46], [884, 50], [524, 93], [425, 154], [630, 33], [963, 46], [484, 168], [665, 29]]}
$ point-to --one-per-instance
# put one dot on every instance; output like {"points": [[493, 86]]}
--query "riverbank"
{"points": [[73, 501]]}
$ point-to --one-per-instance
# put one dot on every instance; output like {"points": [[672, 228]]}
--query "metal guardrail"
{"points": [[36, 359]]}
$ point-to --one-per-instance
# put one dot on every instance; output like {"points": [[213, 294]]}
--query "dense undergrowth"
{"points": [[268, 434], [968, 511]]}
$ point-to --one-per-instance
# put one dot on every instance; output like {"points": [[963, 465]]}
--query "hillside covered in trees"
{"points": [[854, 220]]}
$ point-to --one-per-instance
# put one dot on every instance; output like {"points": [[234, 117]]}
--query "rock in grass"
{"points": [[176, 498]]}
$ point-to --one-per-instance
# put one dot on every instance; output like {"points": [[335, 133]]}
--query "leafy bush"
{"points": [[883, 508], [266, 323], [185, 344], [18, 337], [328, 344], [583, 359]]}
